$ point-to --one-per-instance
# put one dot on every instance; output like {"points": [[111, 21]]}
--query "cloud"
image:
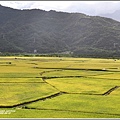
{"points": [[106, 7], [46, 5], [87, 7], [51, 5], [81, 7], [94, 8]]}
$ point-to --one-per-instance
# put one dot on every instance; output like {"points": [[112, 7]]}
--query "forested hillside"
{"points": [[39, 31]]}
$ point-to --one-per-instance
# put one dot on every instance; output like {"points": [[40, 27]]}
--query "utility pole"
{"points": [[34, 41]]}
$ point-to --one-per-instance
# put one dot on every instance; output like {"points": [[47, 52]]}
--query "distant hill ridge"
{"points": [[39, 31]]}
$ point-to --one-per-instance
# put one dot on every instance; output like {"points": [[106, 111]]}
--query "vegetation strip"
{"points": [[61, 77], [106, 93], [111, 90], [100, 78], [53, 77], [20, 77], [21, 82], [50, 84], [82, 93], [28, 102], [49, 71], [74, 69], [72, 111]]}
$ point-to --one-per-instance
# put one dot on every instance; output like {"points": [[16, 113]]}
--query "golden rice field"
{"points": [[58, 87]]}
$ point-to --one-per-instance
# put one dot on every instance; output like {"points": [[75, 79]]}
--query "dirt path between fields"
{"points": [[72, 111], [111, 90], [67, 68], [49, 71], [32, 101], [104, 94], [21, 82]]}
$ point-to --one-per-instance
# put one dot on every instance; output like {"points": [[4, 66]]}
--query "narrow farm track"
{"points": [[49, 71], [80, 93], [44, 78], [72, 111], [67, 68], [111, 90], [51, 85], [28, 102], [101, 74], [21, 82], [54, 77], [101, 78], [62, 77], [20, 77]]}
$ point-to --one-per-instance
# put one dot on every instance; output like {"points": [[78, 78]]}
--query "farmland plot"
{"points": [[53, 87]]}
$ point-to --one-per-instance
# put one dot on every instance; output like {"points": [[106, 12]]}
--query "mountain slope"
{"points": [[29, 31]]}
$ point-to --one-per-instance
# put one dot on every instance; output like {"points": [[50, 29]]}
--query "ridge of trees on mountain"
{"points": [[48, 32]]}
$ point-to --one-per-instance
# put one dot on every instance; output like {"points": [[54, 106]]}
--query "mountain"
{"points": [[39, 31], [115, 15]]}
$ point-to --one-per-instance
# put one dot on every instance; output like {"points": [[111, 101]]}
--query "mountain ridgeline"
{"points": [[45, 32], [115, 15]]}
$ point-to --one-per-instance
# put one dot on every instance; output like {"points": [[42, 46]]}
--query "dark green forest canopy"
{"points": [[46, 32]]}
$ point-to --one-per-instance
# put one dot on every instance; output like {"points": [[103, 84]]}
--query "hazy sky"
{"points": [[87, 7]]}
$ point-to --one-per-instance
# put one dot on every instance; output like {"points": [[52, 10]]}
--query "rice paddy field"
{"points": [[58, 87]]}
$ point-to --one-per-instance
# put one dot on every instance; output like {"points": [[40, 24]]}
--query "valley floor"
{"points": [[59, 87]]}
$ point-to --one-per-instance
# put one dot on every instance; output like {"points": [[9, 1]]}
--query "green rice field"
{"points": [[59, 87]]}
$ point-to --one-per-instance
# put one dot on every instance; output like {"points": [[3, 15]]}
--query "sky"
{"points": [[87, 7]]}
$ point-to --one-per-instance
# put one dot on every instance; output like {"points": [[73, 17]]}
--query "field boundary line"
{"points": [[111, 90], [71, 111], [20, 82], [32, 101]]}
